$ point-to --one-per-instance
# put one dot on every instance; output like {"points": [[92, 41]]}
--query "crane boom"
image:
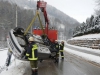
{"points": [[42, 6]]}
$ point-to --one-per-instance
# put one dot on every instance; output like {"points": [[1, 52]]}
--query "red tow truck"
{"points": [[50, 32]]}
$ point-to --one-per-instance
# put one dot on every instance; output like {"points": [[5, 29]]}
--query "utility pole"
{"points": [[16, 15], [31, 26]]}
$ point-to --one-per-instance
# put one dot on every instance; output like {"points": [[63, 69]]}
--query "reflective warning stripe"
{"points": [[10, 50], [33, 53], [27, 54], [62, 56], [57, 46], [35, 46], [61, 50], [34, 68], [58, 53], [32, 58]]}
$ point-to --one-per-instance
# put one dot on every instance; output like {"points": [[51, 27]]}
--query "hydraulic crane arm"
{"points": [[42, 6]]}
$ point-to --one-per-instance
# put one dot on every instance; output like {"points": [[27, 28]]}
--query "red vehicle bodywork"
{"points": [[52, 34]]}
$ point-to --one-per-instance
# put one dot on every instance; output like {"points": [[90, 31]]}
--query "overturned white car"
{"points": [[17, 43]]}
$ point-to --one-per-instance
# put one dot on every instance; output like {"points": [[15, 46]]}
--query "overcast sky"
{"points": [[77, 9]]}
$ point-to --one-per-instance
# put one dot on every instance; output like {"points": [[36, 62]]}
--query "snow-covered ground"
{"points": [[86, 56], [93, 36], [17, 67], [21, 69]]}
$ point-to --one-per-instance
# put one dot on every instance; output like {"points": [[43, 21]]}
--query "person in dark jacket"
{"points": [[32, 55], [57, 48], [9, 55], [62, 49]]}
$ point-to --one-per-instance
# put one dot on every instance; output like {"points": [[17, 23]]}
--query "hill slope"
{"points": [[64, 23]]}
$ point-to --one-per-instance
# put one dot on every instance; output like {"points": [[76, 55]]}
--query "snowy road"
{"points": [[75, 63], [72, 65]]}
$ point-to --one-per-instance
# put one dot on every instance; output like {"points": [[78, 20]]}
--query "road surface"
{"points": [[71, 65]]}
